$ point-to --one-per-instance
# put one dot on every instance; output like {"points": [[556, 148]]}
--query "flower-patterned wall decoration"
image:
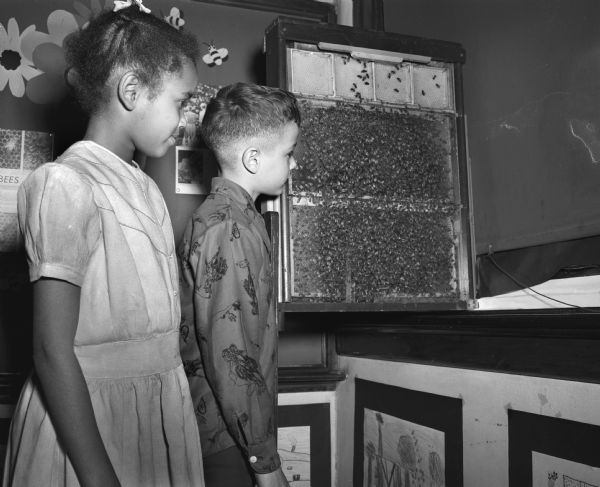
{"points": [[49, 57], [16, 51], [32, 62], [32, 59]]}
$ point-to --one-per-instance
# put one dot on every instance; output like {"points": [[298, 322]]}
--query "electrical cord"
{"points": [[523, 286]]}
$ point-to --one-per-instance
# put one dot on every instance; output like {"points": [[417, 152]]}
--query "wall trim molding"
{"points": [[304, 379], [562, 344], [311, 9]]}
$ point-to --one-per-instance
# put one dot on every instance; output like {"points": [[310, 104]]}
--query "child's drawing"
{"points": [[549, 471], [293, 446], [399, 453], [571, 482]]}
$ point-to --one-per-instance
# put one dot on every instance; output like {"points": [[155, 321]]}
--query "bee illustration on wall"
{"points": [[214, 55], [175, 18]]}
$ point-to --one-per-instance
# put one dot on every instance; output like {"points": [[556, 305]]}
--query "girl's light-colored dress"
{"points": [[97, 222]]}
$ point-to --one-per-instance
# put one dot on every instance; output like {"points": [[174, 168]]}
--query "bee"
{"points": [[175, 18], [214, 55]]}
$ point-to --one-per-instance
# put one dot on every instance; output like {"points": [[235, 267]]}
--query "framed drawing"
{"points": [[304, 444], [406, 437], [546, 451]]}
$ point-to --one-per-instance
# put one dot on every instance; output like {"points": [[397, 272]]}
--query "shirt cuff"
{"points": [[263, 457]]}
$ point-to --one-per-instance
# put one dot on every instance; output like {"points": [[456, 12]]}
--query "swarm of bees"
{"points": [[377, 232]]}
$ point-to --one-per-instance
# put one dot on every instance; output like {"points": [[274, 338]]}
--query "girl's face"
{"points": [[159, 116]]}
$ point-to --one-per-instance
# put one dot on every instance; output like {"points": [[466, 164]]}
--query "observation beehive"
{"points": [[376, 215]]}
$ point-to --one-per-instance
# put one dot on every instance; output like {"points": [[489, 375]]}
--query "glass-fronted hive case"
{"points": [[377, 214]]}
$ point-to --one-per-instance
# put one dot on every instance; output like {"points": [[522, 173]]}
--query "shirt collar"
{"points": [[241, 197], [233, 191]]}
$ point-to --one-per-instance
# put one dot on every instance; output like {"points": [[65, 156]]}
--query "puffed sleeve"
{"points": [[59, 222]]}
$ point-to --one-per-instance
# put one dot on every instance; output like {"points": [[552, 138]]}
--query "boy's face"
{"points": [[160, 115], [277, 159]]}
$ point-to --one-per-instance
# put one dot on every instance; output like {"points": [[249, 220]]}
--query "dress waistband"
{"points": [[130, 358]]}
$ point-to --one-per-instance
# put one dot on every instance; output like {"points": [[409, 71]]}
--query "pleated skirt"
{"points": [[144, 412]]}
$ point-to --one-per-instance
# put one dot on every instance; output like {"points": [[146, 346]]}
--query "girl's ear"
{"points": [[128, 90], [251, 159]]}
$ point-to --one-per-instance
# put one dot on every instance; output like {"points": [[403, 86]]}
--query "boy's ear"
{"points": [[129, 90], [251, 159]]}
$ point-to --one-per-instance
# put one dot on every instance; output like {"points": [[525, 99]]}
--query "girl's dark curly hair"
{"points": [[127, 39]]}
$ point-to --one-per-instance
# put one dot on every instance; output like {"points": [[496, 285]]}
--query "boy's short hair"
{"points": [[245, 111]]}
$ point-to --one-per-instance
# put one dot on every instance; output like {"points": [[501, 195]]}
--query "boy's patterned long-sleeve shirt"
{"points": [[228, 329]]}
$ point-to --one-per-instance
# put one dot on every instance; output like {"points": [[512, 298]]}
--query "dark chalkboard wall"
{"points": [[532, 98]]}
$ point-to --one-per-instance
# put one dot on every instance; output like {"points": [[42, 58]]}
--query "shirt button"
{"points": [[174, 293], [253, 459]]}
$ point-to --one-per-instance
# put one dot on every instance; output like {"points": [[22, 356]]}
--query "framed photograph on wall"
{"points": [[21, 151], [304, 444], [195, 167], [406, 437], [545, 451]]}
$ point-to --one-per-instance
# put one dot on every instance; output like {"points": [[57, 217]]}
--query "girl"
{"points": [[108, 403]]}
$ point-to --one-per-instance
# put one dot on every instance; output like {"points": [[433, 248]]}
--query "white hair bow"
{"points": [[121, 4]]}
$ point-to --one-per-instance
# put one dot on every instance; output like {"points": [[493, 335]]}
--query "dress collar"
{"points": [[110, 159], [120, 181]]}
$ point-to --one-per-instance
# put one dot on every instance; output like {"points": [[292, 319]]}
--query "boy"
{"points": [[228, 330]]}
